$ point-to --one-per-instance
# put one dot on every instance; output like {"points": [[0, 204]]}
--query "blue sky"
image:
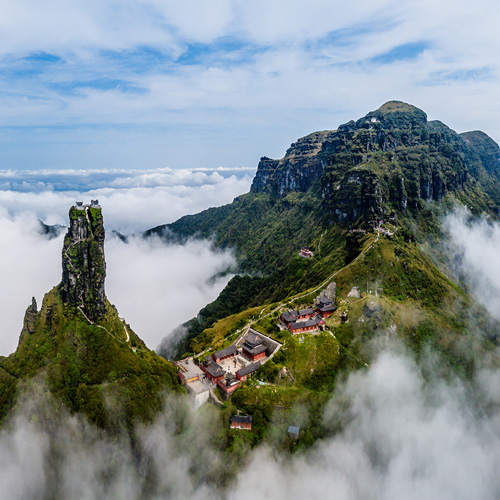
{"points": [[146, 84]]}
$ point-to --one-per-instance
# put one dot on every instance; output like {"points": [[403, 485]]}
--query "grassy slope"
{"points": [[409, 300], [91, 369]]}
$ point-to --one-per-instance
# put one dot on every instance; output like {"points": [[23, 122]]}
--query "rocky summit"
{"points": [[389, 160], [83, 263], [77, 345]]}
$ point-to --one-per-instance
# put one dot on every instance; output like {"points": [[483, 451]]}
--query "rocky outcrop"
{"points": [[390, 160], [29, 323], [330, 292], [486, 148], [83, 263], [302, 164]]}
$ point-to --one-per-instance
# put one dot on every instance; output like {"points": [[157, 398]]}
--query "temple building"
{"points": [[325, 307], [241, 422], [212, 369], [228, 352], [253, 348]]}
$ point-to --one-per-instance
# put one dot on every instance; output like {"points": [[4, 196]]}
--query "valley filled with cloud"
{"points": [[154, 286]]}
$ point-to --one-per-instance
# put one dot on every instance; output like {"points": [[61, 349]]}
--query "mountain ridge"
{"points": [[392, 162]]}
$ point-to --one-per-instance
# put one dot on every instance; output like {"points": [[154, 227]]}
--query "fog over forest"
{"points": [[406, 431]]}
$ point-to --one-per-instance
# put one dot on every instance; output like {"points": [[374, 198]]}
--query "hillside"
{"points": [[392, 164], [79, 347]]}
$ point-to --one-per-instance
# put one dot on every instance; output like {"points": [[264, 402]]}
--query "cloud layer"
{"points": [[475, 246], [158, 287], [404, 435], [132, 200], [155, 287]]}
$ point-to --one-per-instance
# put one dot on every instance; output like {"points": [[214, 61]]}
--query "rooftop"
{"points": [[241, 419], [304, 324], [308, 310], [228, 351], [289, 316], [196, 387], [188, 368], [326, 308], [325, 300], [214, 369], [248, 369], [254, 349]]}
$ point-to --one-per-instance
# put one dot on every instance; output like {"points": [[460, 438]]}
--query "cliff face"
{"points": [[389, 160], [298, 169], [392, 159], [90, 358], [84, 267]]}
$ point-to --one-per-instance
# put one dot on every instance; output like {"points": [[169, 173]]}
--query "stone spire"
{"points": [[83, 263], [29, 323]]}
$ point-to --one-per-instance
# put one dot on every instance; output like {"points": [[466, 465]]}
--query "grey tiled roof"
{"points": [[228, 351], [248, 369]]}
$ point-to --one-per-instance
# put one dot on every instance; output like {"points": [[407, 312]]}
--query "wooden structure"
{"points": [[306, 326], [228, 352], [253, 348], [325, 307], [241, 422], [293, 431], [212, 369]]}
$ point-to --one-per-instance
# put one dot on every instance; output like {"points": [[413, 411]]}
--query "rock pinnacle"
{"points": [[83, 263]]}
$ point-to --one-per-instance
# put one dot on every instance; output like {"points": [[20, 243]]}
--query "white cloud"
{"points": [[158, 287], [155, 82], [29, 266], [476, 247], [131, 200], [404, 435], [155, 287]]}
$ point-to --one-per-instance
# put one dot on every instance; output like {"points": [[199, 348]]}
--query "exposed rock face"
{"points": [[390, 160], [354, 293], [329, 292], [486, 148], [29, 323], [84, 267], [301, 166]]}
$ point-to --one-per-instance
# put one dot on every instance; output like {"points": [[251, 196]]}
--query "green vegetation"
{"points": [[391, 165], [93, 370]]}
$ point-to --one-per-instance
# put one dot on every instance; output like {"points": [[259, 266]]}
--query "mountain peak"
{"points": [[83, 263], [393, 106]]}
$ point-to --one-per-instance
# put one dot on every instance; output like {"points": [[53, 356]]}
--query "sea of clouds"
{"points": [[407, 433], [154, 286]]}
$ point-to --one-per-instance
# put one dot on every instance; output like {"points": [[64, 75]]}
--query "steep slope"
{"points": [[79, 347], [392, 163]]}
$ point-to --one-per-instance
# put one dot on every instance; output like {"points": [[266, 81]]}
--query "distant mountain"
{"points": [[78, 345], [392, 163]]}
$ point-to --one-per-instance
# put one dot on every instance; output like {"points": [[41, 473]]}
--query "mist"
{"points": [[474, 250], [154, 286], [157, 287], [132, 201], [406, 433]]}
